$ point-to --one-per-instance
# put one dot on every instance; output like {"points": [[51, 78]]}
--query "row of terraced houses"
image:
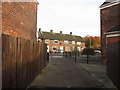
{"points": [[60, 41]]}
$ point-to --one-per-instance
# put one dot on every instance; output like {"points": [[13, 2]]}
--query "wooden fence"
{"points": [[22, 60]]}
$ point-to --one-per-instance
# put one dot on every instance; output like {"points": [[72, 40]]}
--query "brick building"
{"points": [[110, 38], [110, 21], [19, 19], [60, 41]]}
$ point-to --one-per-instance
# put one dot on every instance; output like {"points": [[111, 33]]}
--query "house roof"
{"points": [[78, 38], [59, 36], [109, 2]]}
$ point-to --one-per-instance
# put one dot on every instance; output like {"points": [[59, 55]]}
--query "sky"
{"points": [[81, 17]]}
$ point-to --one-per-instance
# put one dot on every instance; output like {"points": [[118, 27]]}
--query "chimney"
{"points": [[61, 32], [70, 33], [51, 31], [39, 29]]}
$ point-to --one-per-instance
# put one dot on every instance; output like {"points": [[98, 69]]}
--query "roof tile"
{"points": [[59, 36]]}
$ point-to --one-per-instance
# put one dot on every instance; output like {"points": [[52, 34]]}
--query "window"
{"points": [[55, 47], [56, 41], [78, 43], [73, 42], [47, 41], [79, 48], [73, 48], [48, 47], [67, 48], [65, 41]]}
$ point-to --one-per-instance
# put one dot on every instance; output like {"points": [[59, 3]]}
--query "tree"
{"points": [[92, 41], [89, 42], [88, 51]]}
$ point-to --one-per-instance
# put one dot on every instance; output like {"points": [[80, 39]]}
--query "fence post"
{"points": [[70, 55], [78, 54], [66, 54], [87, 58], [75, 56], [48, 56]]}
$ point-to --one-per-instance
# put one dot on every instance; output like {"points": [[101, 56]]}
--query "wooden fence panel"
{"points": [[42, 56], [45, 55], [9, 61], [22, 60], [12, 61], [19, 72], [36, 59], [32, 58], [39, 57], [37, 53], [34, 53], [5, 49], [27, 62], [40, 60], [23, 47]]}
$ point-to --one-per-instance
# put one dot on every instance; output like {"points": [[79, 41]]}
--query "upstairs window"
{"points": [[78, 43], [73, 42], [66, 41], [56, 41], [47, 41], [67, 48], [55, 48]]}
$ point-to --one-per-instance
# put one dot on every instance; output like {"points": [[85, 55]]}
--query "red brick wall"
{"points": [[112, 40], [51, 44], [19, 19], [110, 17]]}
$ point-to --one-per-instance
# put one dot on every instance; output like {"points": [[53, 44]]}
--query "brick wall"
{"points": [[111, 40], [51, 44], [19, 19], [110, 17]]}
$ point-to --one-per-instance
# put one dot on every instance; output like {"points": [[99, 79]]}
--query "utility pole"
{"points": [[90, 42]]}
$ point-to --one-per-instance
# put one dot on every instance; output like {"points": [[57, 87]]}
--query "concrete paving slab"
{"points": [[99, 72]]}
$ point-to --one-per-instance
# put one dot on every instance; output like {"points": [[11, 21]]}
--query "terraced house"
{"points": [[60, 41]]}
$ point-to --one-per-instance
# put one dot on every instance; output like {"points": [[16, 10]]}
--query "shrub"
{"points": [[88, 51]]}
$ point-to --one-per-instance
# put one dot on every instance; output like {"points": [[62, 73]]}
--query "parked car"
{"points": [[97, 51], [59, 51]]}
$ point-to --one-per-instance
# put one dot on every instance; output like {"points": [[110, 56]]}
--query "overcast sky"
{"points": [[82, 17]]}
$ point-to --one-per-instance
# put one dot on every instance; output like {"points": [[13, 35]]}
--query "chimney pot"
{"points": [[70, 33], [39, 29], [60, 31], [51, 30]]}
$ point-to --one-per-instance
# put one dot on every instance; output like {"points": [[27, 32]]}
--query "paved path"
{"points": [[99, 72], [65, 73]]}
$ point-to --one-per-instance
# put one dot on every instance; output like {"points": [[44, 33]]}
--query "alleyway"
{"points": [[64, 73]]}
